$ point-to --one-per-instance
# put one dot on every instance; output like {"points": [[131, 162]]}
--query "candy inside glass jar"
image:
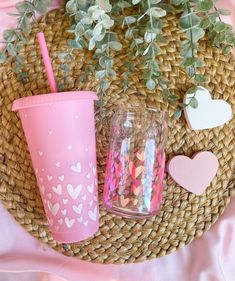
{"points": [[136, 162]]}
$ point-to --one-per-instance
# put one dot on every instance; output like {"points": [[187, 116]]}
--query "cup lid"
{"points": [[51, 98]]}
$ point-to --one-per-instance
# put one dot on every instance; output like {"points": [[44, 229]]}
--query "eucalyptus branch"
{"points": [[93, 24], [15, 38]]}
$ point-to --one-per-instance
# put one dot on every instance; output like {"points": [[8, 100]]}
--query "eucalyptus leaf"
{"points": [[41, 6], [91, 45], [156, 12], [220, 26], [74, 44], [111, 73], [130, 19], [26, 25], [178, 113], [154, 2], [10, 35], [224, 12], [65, 67], [205, 23], [197, 33], [167, 7], [117, 46], [100, 74], [166, 93], [200, 78], [12, 49], [205, 5], [189, 62], [107, 22], [193, 102], [24, 7], [151, 84], [149, 37], [192, 90], [104, 5], [3, 57], [189, 20], [134, 2], [230, 39], [97, 29], [71, 6], [104, 85], [97, 13], [177, 2]]}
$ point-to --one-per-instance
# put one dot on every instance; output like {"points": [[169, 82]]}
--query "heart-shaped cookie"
{"points": [[194, 174], [209, 113]]}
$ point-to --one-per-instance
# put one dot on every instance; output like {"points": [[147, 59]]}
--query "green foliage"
{"points": [[92, 26], [15, 38]]}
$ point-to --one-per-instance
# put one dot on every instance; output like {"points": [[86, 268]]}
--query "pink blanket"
{"points": [[23, 258]]}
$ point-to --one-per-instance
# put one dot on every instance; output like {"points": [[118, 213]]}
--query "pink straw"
{"points": [[47, 62]]}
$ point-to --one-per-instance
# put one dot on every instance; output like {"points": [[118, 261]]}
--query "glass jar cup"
{"points": [[136, 163]]}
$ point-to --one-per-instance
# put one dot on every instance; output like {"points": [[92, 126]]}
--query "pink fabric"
{"points": [[210, 258]]}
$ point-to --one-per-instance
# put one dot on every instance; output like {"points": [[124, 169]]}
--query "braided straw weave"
{"points": [[184, 216]]}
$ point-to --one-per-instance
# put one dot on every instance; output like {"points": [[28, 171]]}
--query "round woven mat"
{"points": [[184, 216]]}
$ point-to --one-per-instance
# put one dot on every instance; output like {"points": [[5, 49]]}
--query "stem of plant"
{"points": [[191, 35]]}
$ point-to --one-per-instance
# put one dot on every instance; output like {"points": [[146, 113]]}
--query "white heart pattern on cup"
{"points": [[53, 208], [90, 188], [69, 222], [57, 164], [80, 219], [90, 164], [85, 223], [57, 189], [94, 170], [65, 201], [84, 197], [209, 113], [77, 209], [93, 214], [61, 178], [60, 221], [91, 203], [40, 153], [74, 192], [49, 178], [64, 212], [88, 175], [76, 168]]}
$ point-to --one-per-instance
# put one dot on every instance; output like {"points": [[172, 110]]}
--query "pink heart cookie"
{"points": [[195, 174]]}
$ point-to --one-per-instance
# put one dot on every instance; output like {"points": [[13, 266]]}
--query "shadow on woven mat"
{"points": [[184, 216]]}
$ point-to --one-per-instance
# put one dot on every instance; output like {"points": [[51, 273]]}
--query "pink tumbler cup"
{"points": [[60, 132]]}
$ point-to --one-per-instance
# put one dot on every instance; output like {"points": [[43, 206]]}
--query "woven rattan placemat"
{"points": [[184, 216]]}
